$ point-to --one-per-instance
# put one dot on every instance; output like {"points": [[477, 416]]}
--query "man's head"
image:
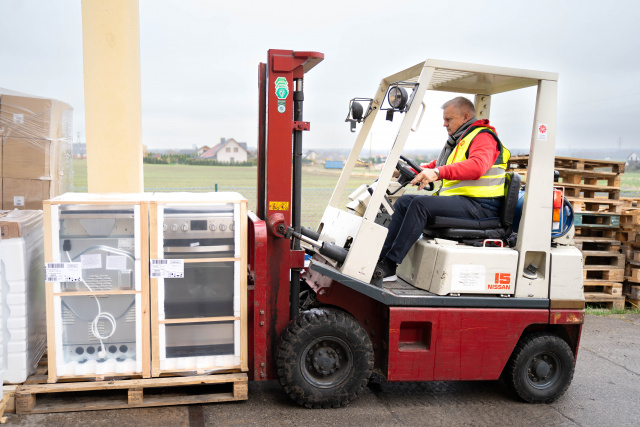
{"points": [[457, 112]]}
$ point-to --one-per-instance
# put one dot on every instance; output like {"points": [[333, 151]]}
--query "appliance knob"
{"points": [[223, 227], [165, 227], [212, 227], [185, 227], [174, 227]]}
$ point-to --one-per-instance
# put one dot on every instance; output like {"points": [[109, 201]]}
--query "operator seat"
{"points": [[476, 230]]}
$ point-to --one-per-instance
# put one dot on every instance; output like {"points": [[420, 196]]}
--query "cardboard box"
{"points": [[26, 116], [28, 158], [24, 193], [18, 223]]}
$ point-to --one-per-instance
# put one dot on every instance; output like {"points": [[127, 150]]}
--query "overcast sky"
{"points": [[199, 62]]}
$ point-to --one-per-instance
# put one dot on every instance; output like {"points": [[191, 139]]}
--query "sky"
{"points": [[199, 62]]}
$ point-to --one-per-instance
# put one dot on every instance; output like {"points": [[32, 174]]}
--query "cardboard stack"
{"points": [[36, 156]]}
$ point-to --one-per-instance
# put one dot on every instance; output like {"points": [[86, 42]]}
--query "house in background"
{"points": [[200, 151], [228, 151], [632, 158]]}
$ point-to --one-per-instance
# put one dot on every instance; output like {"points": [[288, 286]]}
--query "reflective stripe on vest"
{"points": [[491, 184]]}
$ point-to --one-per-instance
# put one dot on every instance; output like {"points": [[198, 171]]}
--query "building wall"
{"points": [[232, 150]]}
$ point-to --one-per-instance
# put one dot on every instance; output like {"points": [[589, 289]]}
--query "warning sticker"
{"points": [[467, 278], [91, 261], [542, 132], [126, 244], [278, 206], [116, 262], [167, 268], [63, 271]]}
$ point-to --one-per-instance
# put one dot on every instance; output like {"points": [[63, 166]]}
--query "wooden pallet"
{"points": [[590, 191], [596, 219], [572, 163], [631, 290], [597, 244], [3, 406], [633, 272], [630, 219], [610, 301], [603, 274], [118, 394], [583, 204], [614, 289], [592, 259], [626, 235], [634, 303], [607, 233]]}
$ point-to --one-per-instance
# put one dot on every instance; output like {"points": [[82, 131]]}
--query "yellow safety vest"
{"points": [[491, 184]]}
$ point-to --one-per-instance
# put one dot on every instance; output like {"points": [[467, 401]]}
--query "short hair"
{"points": [[461, 103]]}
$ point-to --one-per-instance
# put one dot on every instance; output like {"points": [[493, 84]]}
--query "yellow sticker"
{"points": [[278, 206]]}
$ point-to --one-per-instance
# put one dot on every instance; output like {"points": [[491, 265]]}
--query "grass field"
{"points": [[317, 183]]}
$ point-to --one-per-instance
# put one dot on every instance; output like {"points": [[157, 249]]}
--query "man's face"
{"points": [[453, 119]]}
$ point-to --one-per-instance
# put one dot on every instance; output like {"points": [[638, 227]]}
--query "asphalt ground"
{"points": [[605, 391]]}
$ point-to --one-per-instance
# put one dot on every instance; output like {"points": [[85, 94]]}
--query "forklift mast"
{"points": [[275, 290]]}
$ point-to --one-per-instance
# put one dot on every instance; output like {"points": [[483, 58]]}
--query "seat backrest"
{"points": [[511, 194]]}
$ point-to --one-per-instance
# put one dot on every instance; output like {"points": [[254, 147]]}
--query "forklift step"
{"points": [[596, 220], [401, 294]]}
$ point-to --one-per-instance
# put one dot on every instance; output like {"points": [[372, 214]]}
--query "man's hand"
{"points": [[424, 178]]}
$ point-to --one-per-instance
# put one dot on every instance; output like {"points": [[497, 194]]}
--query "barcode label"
{"points": [[63, 271], [167, 268]]}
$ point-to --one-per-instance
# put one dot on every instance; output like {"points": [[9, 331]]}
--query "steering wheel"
{"points": [[407, 174]]}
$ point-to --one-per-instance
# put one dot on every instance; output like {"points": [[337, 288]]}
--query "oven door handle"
{"points": [[185, 249]]}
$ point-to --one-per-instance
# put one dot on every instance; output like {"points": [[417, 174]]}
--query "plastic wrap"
{"points": [[36, 158], [22, 293]]}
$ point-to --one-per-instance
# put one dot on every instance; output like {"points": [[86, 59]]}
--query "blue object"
{"points": [[566, 219], [334, 164]]}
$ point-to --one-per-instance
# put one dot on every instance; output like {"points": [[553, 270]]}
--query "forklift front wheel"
{"points": [[324, 358], [541, 368]]}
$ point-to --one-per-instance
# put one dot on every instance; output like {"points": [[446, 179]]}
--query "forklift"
{"points": [[501, 299]]}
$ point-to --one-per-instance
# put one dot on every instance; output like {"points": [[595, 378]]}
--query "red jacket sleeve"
{"points": [[483, 153]]}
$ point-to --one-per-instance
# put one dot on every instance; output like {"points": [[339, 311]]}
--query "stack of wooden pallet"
{"points": [[629, 235], [593, 189]]}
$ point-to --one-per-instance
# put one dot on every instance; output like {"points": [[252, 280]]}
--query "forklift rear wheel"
{"points": [[324, 358], [541, 368]]}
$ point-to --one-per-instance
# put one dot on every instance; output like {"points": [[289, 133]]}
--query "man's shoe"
{"points": [[388, 268]]}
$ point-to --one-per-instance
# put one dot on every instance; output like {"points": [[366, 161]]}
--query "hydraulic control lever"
{"points": [[329, 250]]}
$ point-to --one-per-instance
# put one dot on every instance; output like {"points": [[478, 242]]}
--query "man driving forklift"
{"points": [[471, 167]]}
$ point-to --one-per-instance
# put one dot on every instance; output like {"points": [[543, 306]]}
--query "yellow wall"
{"points": [[111, 47]]}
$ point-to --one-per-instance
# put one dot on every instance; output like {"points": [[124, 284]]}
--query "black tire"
{"points": [[324, 358], [541, 368]]}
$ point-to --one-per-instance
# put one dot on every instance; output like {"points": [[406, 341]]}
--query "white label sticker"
{"points": [[18, 119], [468, 278], [116, 262], [63, 271], [543, 129], [91, 261], [18, 200], [194, 244], [126, 244], [167, 268]]}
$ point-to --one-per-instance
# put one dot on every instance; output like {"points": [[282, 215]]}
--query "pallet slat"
{"points": [[90, 396]]}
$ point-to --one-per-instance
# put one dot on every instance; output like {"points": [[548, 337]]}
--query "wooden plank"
{"points": [[597, 244], [144, 304], [153, 291], [244, 255], [592, 259]]}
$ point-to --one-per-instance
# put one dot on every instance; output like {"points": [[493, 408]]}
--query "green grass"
{"points": [[185, 176], [597, 311]]}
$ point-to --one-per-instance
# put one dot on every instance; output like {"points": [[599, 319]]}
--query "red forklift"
{"points": [[458, 312]]}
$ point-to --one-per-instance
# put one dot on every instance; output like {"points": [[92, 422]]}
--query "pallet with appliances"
{"points": [[40, 397]]}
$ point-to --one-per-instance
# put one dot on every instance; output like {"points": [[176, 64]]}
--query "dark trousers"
{"points": [[411, 213]]}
